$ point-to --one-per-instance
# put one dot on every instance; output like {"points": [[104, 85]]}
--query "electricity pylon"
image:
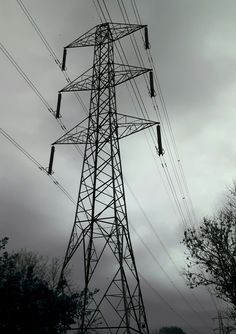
{"points": [[100, 232]]}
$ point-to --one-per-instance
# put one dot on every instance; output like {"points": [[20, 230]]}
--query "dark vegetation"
{"points": [[211, 258], [29, 299]]}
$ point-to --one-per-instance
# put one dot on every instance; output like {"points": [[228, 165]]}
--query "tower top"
{"points": [[117, 30]]}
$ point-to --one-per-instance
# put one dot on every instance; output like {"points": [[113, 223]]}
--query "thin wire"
{"points": [[137, 87], [26, 78], [139, 204], [30, 83], [32, 21], [36, 163], [42, 169], [141, 63], [139, 98], [168, 177], [173, 140], [138, 19], [50, 50], [166, 274], [167, 303], [150, 58], [94, 3]]}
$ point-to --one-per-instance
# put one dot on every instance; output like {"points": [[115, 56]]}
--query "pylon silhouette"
{"points": [[100, 232]]}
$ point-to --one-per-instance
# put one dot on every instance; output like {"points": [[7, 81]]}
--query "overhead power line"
{"points": [[188, 303], [163, 163], [156, 108], [50, 49], [33, 87], [26, 78], [151, 61], [38, 31], [143, 109], [30, 83], [141, 62], [43, 170], [163, 104], [36, 163], [168, 304]]}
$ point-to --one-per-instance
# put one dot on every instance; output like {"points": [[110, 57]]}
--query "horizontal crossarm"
{"points": [[127, 125], [118, 30], [122, 73]]}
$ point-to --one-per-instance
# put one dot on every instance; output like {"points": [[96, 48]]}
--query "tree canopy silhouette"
{"points": [[211, 259], [29, 300], [171, 330]]}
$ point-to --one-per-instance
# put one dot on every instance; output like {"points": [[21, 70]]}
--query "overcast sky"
{"points": [[193, 47]]}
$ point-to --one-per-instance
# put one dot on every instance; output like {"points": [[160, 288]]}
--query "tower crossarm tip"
{"points": [[81, 83], [118, 30], [77, 135], [129, 125], [124, 73]]}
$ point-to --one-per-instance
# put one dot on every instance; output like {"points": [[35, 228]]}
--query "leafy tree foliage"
{"points": [[171, 330], [211, 257], [29, 300]]}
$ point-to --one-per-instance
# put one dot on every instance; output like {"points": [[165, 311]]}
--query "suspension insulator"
{"points": [[63, 66], [58, 106], [51, 160], [159, 142], [152, 91], [147, 44]]}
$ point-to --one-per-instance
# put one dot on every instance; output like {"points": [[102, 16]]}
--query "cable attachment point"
{"points": [[158, 152]]}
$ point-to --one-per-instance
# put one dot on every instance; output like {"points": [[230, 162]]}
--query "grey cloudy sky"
{"points": [[193, 47]]}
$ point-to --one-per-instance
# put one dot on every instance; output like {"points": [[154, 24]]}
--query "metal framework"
{"points": [[100, 233]]}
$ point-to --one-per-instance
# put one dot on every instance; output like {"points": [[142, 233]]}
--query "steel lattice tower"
{"points": [[100, 231]]}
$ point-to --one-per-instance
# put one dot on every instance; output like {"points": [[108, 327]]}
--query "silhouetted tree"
{"points": [[171, 330], [29, 300], [211, 259]]}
